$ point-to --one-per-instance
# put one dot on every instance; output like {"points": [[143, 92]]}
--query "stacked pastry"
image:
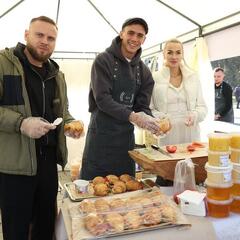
{"points": [[235, 159], [219, 175], [104, 216], [104, 185]]}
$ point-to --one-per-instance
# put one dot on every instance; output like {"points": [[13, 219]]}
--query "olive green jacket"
{"points": [[17, 151]]}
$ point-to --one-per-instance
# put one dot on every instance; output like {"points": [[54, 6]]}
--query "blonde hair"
{"points": [[172, 40]]}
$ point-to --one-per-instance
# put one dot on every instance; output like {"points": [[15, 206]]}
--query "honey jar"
{"points": [[218, 209], [218, 159], [235, 205], [219, 142], [235, 189], [236, 172], [218, 191], [235, 140], [219, 175], [235, 155]]}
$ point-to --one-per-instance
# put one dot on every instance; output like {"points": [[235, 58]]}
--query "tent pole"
{"points": [[10, 9]]}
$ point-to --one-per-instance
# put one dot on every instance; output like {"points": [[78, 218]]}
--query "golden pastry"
{"points": [[164, 125], [95, 224], [112, 178], [101, 205], [115, 221], [118, 204], [125, 178], [134, 185], [101, 189], [98, 179], [152, 216], [119, 187], [168, 213], [74, 126], [132, 220], [87, 206], [133, 203], [145, 202]]}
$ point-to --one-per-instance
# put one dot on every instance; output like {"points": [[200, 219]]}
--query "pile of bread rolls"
{"points": [[104, 185]]}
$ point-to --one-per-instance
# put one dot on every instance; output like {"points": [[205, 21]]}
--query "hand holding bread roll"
{"points": [[74, 129]]}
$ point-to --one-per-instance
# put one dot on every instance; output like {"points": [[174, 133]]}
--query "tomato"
{"points": [[191, 148], [197, 145], [171, 148]]}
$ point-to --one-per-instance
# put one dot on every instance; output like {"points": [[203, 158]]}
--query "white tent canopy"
{"points": [[88, 26]]}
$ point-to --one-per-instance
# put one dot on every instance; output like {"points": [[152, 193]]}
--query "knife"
{"points": [[161, 150]]}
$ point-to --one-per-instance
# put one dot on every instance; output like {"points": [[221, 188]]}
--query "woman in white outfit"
{"points": [[177, 94]]}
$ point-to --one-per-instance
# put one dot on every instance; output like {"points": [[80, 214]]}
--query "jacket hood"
{"points": [[18, 51], [115, 49]]}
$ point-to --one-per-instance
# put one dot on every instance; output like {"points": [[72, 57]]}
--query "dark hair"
{"points": [[218, 69], [44, 19], [136, 20]]}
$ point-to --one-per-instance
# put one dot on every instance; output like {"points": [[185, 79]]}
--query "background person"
{"points": [[120, 92], [32, 95], [223, 98], [237, 95], [177, 94]]}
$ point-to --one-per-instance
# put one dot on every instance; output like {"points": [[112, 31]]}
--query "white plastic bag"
{"points": [[184, 176]]}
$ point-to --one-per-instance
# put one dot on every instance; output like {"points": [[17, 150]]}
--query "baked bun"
{"points": [[119, 187], [101, 205], [115, 221], [134, 185], [95, 224], [98, 179], [164, 125], [74, 126], [152, 216], [117, 204], [101, 189], [112, 178], [125, 178], [132, 220], [87, 206]]}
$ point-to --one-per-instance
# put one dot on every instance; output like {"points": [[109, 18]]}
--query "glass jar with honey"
{"points": [[218, 159], [235, 155], [236, 172], [235, 140], [219, 142], [235, 189], [235, 205], [218, 209], [218, 191]]}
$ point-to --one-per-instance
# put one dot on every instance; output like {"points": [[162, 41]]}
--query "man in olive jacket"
{"points": [[32, 95]]}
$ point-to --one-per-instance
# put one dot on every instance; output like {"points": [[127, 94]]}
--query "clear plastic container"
{"points": [[218, 159], [218, 191], [219, 175], [235, 155], [235, 140], [236, 172], [235, 205], [235, 189], [218, 209], [219, 142]]}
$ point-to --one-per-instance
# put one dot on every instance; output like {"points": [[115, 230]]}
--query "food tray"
{"points": [[76, 197], [79, 232]]}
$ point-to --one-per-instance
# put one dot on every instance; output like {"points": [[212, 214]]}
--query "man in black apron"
{"points": [[223, 98], [120, 92]]}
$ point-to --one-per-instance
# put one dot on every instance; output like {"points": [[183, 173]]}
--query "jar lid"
{"points": [[219, 185], [218, 169], [220, 202], [234, 149], [219, 153], [219, 135]]}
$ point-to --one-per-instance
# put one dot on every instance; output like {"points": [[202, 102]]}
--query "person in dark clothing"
{"points": [[223, 98], [120, 92], [32, 95], [237, 95]]}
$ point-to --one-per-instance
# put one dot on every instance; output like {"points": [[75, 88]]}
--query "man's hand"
{"points": [[74, 129], [142, 120], [35, 127]]}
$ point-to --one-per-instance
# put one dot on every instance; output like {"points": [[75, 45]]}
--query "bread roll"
{"points": [[73, 126]]}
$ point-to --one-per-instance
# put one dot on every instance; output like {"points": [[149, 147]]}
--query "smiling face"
{"points": [[133, 36], [173, 54], [40, 41]]}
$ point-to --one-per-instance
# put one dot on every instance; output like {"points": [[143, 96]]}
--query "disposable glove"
{"points": [[190, 119], [35, 127], [142, 120], [74, 129]]}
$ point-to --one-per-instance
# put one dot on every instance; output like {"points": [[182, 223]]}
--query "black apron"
{"points": [[220, 103], [108, 140]]}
